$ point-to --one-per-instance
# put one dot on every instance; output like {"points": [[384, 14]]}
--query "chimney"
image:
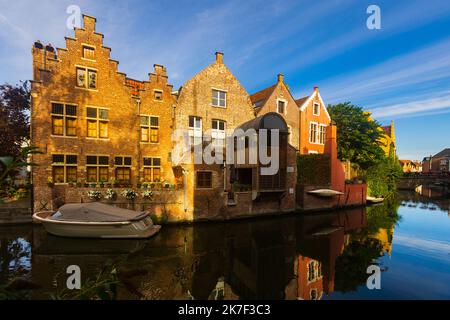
{"points": [[280, 77], [316, 89], [219, 57]]}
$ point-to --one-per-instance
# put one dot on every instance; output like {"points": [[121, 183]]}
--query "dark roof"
{"points": [[271, 120], [260, 97], [443, 153], [301, 101]]}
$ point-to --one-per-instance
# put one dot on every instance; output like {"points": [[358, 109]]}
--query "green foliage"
{"points": [[313, 169], [11, 164], [382, 177], [357, 135], [14, 119]]}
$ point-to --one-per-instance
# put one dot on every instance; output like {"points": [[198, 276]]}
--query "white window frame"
{"points": [[318, 109], [218, 135], [195, 132], [322, 135], [218, 98], [311, 136]]}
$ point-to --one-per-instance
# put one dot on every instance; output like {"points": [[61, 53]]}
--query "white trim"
{"points": [[308, 101]]}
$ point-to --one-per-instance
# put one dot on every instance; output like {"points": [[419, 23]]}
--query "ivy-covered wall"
{"points": [[314, 169]]}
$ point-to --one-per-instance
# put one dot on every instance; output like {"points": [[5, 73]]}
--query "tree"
{"points": [[14, 118], [357, 135]]}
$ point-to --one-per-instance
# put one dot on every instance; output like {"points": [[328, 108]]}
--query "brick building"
{"points": [[92, 123], [278, 98], [313, 122]]}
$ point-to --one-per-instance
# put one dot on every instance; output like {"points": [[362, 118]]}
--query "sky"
{"points": [[400, 72]]}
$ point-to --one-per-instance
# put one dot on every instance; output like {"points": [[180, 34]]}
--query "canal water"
{"points": [[315, 256]]}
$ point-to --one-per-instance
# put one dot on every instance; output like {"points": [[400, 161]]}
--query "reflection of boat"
{"points": [[374, 199], [325, 193], [97, 220]]}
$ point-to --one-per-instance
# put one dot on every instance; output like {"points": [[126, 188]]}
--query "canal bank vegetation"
{"points": [[358, 141]]}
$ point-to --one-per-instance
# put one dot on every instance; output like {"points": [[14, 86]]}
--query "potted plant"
{"points": [[85, 184], [115, 183], [129, 194], [102, 183], [50, 181], [147, 194], [92, 184], [78, 183], [145, 185], [94, 195], [110, 194]]}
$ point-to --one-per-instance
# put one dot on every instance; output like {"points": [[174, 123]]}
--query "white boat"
{"points": [[325, 193], [96, 220], [370, 199]]}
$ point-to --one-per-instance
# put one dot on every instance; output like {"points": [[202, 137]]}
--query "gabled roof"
{"points": [[260, 97], [303, 102], [443, 153]]}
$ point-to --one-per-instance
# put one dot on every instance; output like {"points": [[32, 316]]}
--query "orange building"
{"points": [[313, 122]]}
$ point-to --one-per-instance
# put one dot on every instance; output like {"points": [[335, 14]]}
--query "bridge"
{"points": [[412, 182]]}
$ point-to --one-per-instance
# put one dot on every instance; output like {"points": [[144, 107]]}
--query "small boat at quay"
{"points": [[326, 193], [97, 220], [374, 200]]}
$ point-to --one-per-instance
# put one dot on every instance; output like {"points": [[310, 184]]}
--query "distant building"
{"points": [[388, 139], [409, 166], [439, 163]]}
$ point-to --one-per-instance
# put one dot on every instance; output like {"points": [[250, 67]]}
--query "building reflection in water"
{"points": [[293, 257]]}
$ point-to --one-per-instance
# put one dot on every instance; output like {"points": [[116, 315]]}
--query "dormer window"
{"points": [[316, 109], [88, 52]]}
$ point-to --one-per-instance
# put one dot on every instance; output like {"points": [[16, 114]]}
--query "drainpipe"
{"points": [[185, 171], [138, 102]]}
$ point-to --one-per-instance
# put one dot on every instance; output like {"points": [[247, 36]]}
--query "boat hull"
{"points": [[143, 228]]}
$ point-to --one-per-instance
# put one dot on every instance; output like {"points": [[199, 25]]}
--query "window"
{"points": [[218, 132], [319, 269], [157, 95], [313, 294], [97, 122], [316, 108], [88, 52], [152, 169], [64, 168], [219, 98], [97, 168], [86, 78], [195, 130], [290, 133], [64, 119], [322, 133], [281, 106], [311, 273], [313, 132], [204, 179], [149, 129], [123, 169]]}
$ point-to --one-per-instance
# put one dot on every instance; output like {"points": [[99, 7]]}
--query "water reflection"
{"points": [[317, 256]]}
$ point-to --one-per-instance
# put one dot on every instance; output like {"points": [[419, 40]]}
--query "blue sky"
{"points": [[401, 72]]}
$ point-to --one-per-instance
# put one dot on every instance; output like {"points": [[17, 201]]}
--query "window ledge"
{"points": [[58, 136], [86, 89], [99, 139]]}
